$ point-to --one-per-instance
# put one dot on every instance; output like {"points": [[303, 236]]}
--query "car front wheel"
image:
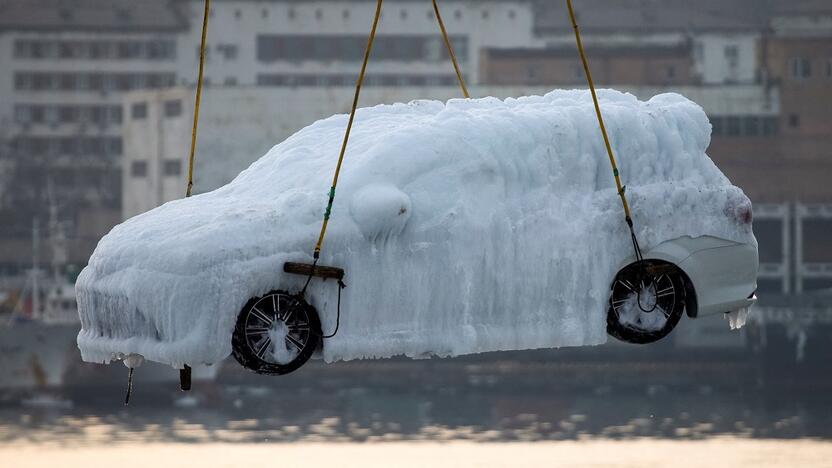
{"points": [[276, 333], [646, 302]]}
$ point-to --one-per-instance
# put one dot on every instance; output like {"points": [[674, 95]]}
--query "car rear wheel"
{"points": [[646, 302], [276, 333]]}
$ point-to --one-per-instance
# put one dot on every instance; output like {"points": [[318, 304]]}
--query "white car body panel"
{"points": [[723, 273]]}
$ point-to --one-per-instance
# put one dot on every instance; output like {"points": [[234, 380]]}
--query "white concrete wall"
{"points": [[715, 63], [486, 24], [155, 139], [617, 39]]}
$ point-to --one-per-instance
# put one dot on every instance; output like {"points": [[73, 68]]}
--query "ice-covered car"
{"points": [[463, 227]]}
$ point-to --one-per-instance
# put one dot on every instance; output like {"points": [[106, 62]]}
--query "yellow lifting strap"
{"points": [[450, 50], [618, 185], [196, 100], [370, 39]]}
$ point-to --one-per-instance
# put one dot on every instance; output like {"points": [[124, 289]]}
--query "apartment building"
{"points": [[67, 65], [285, 43], [64, 68]]}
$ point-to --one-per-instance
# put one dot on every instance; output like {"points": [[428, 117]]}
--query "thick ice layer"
{"points": [[463, 227], [643, 317]]}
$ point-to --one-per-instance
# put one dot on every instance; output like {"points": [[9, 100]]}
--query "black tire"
{"points": [[638, 293], [262, 317]]}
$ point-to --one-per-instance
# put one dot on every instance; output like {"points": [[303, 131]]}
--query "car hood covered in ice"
{"points": [[463, 227]]}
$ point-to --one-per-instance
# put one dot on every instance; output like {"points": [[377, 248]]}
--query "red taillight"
{"points": [[744, 214], [741, 212]]}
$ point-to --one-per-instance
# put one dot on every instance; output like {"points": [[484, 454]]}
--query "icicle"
{"points": [[737, 318], [129, 386], [132, 361]]}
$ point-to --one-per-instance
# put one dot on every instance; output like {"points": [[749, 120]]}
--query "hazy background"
{"points": [[96, 102]]}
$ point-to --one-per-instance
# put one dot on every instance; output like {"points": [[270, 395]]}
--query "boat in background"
{"points": [[38, 350]]}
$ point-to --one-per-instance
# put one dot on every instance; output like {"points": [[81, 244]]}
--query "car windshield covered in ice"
{"points": [[463, 227]]}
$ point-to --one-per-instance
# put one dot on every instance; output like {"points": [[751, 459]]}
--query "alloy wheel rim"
{"points": [[277, 325]]}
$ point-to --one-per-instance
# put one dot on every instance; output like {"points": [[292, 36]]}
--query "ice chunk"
{"points": [[463, 227], [279, 349], [646, 316], [133, 360], [737, 318], [380, 210]]}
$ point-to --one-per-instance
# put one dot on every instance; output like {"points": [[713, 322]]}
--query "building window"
{"points": [[22, 49], [230, 81], [38, 114], [403, 14], [138, 110], [801, 68], [350, 48], [744, 126], [97, 50], [67, 82], [94, 49], [114, 114], [717, 126], [291, 80], [67, 50], [319, 14], [532, 73], [172, 167], [22, 114], [512, 14], [485, 14], [96, 114], [458, 14], [138, 169], [751, 126], [114, 145], [173, 108], [127, 49], [829, 68], [22, 81], [238, 14], [794, 120], [732, 126], [345, 14], [228, 51], [670, 72], [732, 55], [770, 126]]}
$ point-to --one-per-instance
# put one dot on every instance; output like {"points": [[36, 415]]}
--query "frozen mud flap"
{"points": [[185, 378]]}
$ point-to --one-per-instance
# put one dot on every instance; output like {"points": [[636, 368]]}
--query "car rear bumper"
{"points": [[724, 278]]}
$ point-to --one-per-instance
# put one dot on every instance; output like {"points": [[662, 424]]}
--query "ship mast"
{"points": [[35, 272]]}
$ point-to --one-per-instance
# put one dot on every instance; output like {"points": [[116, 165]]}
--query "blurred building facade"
{"points": [[773, 142], [101, 93], [64, 68]]}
